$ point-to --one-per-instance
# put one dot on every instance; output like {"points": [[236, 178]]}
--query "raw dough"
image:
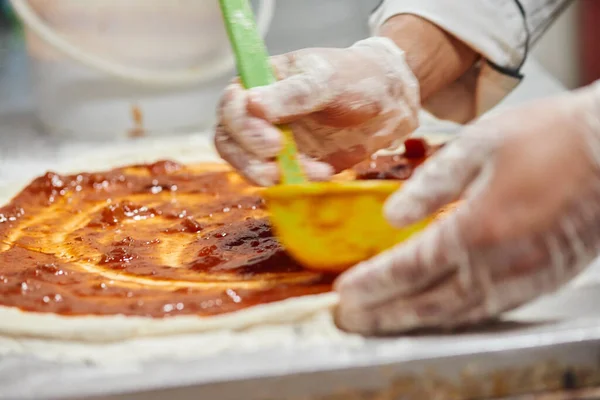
{"points": [[14, 322], [115, 339]]}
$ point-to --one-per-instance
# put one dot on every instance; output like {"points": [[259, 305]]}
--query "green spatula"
{"points": [[318, 223], [255, 70]]}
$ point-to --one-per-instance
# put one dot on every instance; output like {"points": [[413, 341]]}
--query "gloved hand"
{"points": [[342, 104], [529, 221]]}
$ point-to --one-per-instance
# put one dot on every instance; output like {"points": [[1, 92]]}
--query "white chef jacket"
{"points": [[502, 31]]}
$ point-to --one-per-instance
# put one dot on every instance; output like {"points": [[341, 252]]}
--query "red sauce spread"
{"points": [[149, 240], [398, 166]]}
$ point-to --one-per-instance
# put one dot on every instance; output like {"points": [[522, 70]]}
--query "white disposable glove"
{"points": [[529, 222], [342, 104]]}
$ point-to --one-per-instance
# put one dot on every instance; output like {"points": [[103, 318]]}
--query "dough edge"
{"points": [[17, 323]]}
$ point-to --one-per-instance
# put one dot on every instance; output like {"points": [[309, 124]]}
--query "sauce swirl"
{"points": [[151, 240]]}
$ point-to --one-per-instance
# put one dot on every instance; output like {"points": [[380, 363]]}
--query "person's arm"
{"points": [[435, 57], [443, 40], [346, 104]]}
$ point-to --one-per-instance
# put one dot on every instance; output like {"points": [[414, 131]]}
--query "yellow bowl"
{"points": [[332, 226]]}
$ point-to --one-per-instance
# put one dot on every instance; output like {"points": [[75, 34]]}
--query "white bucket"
{"points": [[105, 69]]}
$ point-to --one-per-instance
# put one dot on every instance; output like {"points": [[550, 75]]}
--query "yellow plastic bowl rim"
{"points": [[315, 189]]}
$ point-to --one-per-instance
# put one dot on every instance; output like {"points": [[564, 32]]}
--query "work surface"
{"points": [[528, 356]]}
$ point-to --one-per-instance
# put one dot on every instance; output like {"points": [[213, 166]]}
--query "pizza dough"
{"points": [[124, 263], [89, 337]]}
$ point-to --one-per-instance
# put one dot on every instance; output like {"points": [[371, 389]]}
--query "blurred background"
{"points": [[174, 39], [570, 50], [46, 97]]}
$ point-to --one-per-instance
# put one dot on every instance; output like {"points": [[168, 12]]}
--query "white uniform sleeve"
{"points": [[502, 31]]}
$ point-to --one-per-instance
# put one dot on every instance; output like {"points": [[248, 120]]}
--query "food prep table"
{"points": [[548, 346], [551, 345]]}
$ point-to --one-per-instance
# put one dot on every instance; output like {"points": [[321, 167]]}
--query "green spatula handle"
{"points": [[255, 70]]}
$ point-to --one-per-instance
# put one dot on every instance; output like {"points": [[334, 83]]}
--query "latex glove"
{"points": [[342, 104], [529, 222]]}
